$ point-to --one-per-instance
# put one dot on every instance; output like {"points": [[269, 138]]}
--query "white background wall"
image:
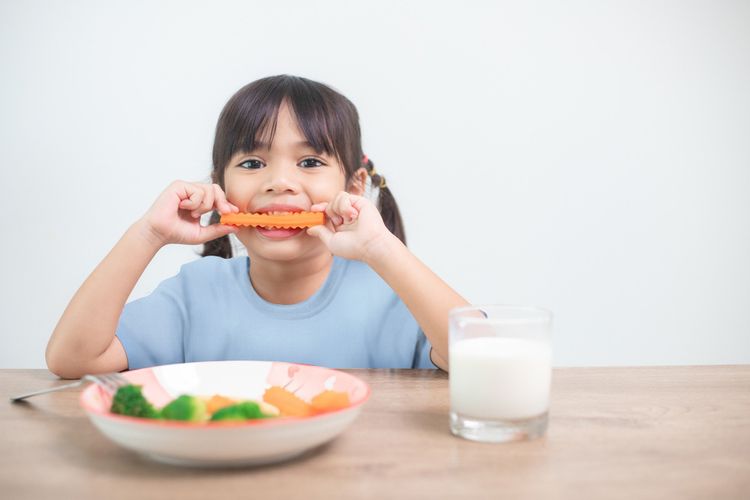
{"points": [[592, 157]]}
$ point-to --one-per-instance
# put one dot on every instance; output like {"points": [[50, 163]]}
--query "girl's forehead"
{"points": [[282, 144], [284, 124], [283, 133]]}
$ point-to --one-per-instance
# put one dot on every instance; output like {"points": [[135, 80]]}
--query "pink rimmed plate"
{"points": [[227, 444]]}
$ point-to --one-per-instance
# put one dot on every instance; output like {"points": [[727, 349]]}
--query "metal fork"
{"points": [[110, 382]]}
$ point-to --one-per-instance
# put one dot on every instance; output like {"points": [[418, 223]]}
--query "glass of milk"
{"points": [[500, 367]]}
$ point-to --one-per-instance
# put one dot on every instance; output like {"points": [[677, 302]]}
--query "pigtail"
{"points": [[386, 202], [220, 247]]}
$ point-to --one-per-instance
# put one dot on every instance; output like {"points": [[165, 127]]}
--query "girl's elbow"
{"points": [[58, 368], [438, 360], [60, 364]]}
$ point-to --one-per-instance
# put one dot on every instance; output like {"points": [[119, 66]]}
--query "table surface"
{"points": [[646, 432]]}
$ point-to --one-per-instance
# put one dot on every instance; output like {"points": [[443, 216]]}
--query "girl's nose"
{"points": [[281, 179]]}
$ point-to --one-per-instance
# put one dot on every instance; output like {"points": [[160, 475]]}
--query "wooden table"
{"points": [[631, 433]]}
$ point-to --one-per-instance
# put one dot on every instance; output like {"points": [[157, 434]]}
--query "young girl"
{"points": [[346, 294]]}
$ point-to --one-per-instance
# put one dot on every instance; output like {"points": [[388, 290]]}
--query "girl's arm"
{"points": [[427, 296], [355, 230], [84, 339]]}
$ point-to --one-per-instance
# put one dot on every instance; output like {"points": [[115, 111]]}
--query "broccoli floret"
{"points": [[189, 408], [245, 410], [129, 400]]}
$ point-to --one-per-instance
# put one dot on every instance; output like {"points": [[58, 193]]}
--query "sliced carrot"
{"points": [[291, 220], [287, 402], [217, 402], [329, 401]]}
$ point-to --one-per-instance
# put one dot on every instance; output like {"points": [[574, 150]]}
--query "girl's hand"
{"points": [[175, 215], [354, 226]]}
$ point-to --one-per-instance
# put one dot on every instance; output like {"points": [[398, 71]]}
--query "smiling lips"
{"points": [[278, 220]]}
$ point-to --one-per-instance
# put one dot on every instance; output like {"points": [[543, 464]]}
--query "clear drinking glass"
{"points": [[500, 369]]}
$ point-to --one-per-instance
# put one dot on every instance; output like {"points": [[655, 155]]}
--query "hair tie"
{"points": [[372, 173]]}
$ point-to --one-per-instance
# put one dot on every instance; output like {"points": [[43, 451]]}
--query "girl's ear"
{"points": [[358, 182]]}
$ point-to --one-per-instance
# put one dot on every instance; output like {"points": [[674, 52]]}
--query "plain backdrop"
{"points": [[591, 157]]}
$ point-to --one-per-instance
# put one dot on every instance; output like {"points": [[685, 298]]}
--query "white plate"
{"points": [[220, 444]]}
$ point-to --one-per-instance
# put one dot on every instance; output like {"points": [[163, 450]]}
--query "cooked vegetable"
{"points": [[245, 410], [329, 401], [288, 403], [129, 400], [217, 402], [188, 408]]}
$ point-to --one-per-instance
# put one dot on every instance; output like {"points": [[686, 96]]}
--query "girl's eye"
{"points": [[251, 164], [311, 162]]}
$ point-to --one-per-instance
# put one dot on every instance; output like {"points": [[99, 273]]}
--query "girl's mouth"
{"points": [[278, 233]]}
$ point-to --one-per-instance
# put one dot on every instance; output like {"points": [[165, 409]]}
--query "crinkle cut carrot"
{"points": [[286, 221]]}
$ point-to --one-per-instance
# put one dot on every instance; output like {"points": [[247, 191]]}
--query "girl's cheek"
{"points": [[234, 197]]}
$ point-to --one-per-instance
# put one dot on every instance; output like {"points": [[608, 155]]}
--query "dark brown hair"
{"points": [[328, 120]]}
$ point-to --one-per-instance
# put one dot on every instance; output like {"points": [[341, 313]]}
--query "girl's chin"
{"points": [[280, 246]]}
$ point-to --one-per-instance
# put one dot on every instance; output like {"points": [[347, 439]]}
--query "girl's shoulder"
{"points": [[212, 267], [359, 275]]}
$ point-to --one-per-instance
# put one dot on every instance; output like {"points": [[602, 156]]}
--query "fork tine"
{"points": [[105, 381], [106, 378], [97, 380], [116, 380]]}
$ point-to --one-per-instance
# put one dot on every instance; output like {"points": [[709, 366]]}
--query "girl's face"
{"points": [[288, 176]]}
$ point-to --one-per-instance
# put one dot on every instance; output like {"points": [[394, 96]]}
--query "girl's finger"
{"points": [[345, 207], [334, 217], [207, 204], [209, 198], [214, 231], [321, 232], [358, 202], [221, 202], [191, 196], [319, 207]]}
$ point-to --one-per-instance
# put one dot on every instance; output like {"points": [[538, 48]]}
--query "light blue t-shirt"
{"points": [[210, 311]]}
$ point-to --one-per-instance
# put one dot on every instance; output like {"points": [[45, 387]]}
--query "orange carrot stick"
{"points": [[291, 220], [329, 401], [287, 402]]}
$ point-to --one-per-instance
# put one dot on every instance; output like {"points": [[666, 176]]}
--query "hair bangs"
{"points": [[311, 111]]}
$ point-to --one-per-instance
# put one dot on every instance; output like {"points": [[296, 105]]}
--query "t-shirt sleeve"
{"points": [[151, 328], [422, 352]]}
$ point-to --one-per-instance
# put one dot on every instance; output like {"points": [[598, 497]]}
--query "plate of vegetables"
{"points": [[226, 413]]}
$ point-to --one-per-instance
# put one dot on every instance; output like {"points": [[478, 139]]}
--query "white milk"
{"points": [[499, 378]]}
